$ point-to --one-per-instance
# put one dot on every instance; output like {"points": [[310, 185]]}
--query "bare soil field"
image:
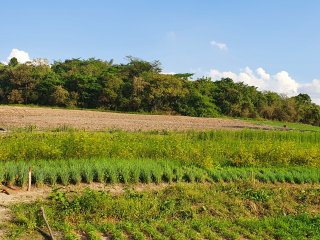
{"points": [[47, 118]]}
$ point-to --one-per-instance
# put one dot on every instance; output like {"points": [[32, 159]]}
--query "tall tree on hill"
{"points": [[13, 62], [22, 79], [111, 85]]}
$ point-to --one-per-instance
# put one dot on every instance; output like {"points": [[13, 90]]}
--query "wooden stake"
{"points": [[48, 226], [30, 178]]}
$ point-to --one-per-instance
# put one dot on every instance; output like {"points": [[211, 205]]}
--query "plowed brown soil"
{"points": [[47, 118]]}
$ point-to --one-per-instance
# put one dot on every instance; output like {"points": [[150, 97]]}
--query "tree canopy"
{"points": [[139, 86]]}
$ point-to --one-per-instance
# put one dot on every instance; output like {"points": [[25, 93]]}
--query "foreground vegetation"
{"points": [[218, 184], [139, 86], [211, 149], [71, 157], [193, 211]]}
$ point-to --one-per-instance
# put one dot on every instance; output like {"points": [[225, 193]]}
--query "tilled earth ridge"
{"points": [[47, 118]]}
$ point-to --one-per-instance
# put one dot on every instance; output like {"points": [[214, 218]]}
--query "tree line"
{"points": [[140, 86]]}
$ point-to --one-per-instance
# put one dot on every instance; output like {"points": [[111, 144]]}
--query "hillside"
{"points": [[141, 86]]}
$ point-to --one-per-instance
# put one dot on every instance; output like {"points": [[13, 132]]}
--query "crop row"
{"points": [[98, 170], [268, 175], [205, 149], [144, 171]]}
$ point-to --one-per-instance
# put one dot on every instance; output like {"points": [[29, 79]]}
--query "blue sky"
{"points": [[274, 45]]}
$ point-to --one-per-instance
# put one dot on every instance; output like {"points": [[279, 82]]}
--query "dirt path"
{"points": [[18, 195], [4, 217], [47, 118]]}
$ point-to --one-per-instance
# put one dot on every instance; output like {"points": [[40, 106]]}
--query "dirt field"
{"points": [[47, 118]]}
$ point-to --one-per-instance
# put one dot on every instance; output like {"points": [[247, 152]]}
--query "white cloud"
{"points": [[285, 84], [221, 46], [280, 82], [263, 74], [21, 56], [316, 100], [313, 89], [246, 75], [169, 73], [216, 74]]}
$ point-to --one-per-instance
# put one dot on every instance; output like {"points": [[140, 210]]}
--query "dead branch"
{"points": [[46, 221]]}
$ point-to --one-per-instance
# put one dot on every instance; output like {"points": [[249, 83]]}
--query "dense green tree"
{"points": [[110, 95], [60, 96], [308, 112], [199, 101], [13, 62], [22, 79], [162, 92], [135, 67], [15, 96], [81, 77], [198, 105], [185, 76], [46, 86], [139, 85], [227, 96]]}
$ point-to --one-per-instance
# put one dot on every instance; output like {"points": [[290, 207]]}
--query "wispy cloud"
{"points": [[219, 45]]}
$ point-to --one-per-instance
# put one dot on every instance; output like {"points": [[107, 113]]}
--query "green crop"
{"points": [[246, 148], [75, 171], [111, 171]]}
